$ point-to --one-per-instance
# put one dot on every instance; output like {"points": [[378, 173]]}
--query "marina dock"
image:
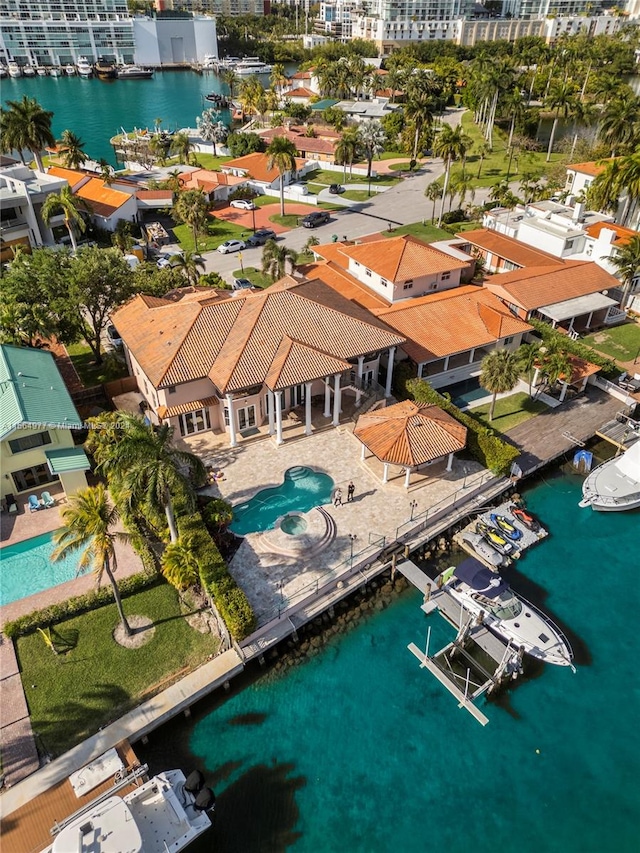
{"points": [[528, 539], [622, 432]]}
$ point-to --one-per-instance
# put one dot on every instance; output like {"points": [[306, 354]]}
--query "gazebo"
{"points": [[581, 370], [411, 436]]}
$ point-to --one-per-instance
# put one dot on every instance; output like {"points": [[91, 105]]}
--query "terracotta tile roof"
{"points": [[255, 166], [208, 180], [409, 434], [623, 235], [299, 92], [590, 168], [151, 194], [333, 252], [313, 145], [580, 369], [338, 279], [453, 321], [509, 248], [238, 342], [301, 75], [400, 258], [534, 287], [71, 176], [104, 201], [164, 412]]}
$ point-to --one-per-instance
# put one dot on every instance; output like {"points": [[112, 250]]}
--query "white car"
{"points": [[231, 246], [243, 204], [164, 261]]}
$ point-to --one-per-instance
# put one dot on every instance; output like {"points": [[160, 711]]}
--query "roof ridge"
{"points": [[250, 307], [178, 348]]}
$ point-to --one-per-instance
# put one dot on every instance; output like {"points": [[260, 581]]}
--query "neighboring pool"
{"points": [[302, 489], [26, 568], [464, 393]]}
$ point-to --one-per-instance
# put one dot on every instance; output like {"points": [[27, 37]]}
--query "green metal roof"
{"points": [[67, 459], [32, 391], [322, 105]]}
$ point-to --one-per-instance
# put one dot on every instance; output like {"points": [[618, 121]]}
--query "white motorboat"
{"points": [[484, 549], [134, 72], [41, 71], [29, 71], [85, 69], [163, 815], [486, 596], [615, 485], [54, 71], [70, 70], [252, 65], [14, 69]]}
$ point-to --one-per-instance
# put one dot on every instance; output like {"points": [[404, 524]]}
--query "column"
{"points": [[385, 472], [278, 396], [589, 319], [407, 478], [563, 393], [450, 462], [327, 398], [336, 399], [363, 453], [359, 382], [387, 390], [307, 408], [270, 404], [233, 441]]}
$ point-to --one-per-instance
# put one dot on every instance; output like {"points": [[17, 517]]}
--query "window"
{"points": [[433, 286], [408, 286], [384, 282], [569, 244], [445, 276], [28, 442], [508, 340], [367, 272], [171, 389], [197, 421]]}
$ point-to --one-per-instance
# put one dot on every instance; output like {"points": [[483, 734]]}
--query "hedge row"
{"points": [[484, 444], [55, 613], [230, 600], [549, 335]]}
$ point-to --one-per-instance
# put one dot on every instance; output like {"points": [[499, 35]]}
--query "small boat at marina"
{"points": [[70, 70], [525, 518], [54, 71], [134, 72], [217, 99], [105, 70], [494, 538], [615, 485], [505, 526], [28, 71], [489, 599], [85, 69], [41, 71], [484, 549], [14, 69], [252, 65]]}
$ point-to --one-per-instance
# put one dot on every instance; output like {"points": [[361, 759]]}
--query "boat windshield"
{"points": [[506, 606]]}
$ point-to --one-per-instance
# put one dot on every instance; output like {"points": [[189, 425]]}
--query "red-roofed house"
{"points": [[215, 185], [319, 147], [107, 205], [254, 169]]}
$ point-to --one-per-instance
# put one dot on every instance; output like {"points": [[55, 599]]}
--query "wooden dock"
{"points": [[621, 432], [527, 540]]}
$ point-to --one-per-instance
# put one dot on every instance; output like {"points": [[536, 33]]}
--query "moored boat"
{"points": [[41, 71], [3, 72], [134, 72], [252, 65], [615, 485], [70, 70], [14, 69], [84, 67], [492, 601], [54, 71], [29, 71], [105, 70]]}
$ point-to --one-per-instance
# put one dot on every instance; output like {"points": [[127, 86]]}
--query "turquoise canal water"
{"points": [[97, 110], [26, 568], [359, 750], [301, 490]]}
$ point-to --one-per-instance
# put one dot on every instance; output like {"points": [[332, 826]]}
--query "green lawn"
{"points": [[255, 276], [494, 165], [218, 232], [71, 695], [390, 155], [208, 161], [509, 411], [621, 343], [289, 220], [89, 372], [264, 200], [357, 195], [324, 176], [427, 233], [403, 167]]}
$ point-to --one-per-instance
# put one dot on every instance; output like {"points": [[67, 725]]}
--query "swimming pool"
{"points": [[26, 568], [466, 392], [301, 490]]}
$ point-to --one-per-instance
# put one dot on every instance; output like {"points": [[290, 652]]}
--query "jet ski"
{"points": [[484, 549], [494, 537], [524, 518], [505, 526]]}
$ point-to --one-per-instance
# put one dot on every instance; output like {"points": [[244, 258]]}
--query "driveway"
{"points": [[245, 218]]}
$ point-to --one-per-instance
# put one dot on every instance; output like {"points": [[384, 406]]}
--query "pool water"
{"points": [[302, 490], [464, 393], [27, 568], [294, 525]]}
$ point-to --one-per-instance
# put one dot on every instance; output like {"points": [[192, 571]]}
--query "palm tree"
{"points": [[561, 100], [72, 156], [69, 205], [26, 125], [278, 77], [106, 171], [419, 112], [89, 519], [621, 121], [182, 147], [251, 92], [281, 153], [528, 357], [498, 374], [483, 149], [180, 564], [450, 144], [149, 468], [159, 148], [189, 263], [620, 179], [230, 79], [191, 207], [627, 263], [346, 149], [275, 259], [433, 192], [372, 139]]}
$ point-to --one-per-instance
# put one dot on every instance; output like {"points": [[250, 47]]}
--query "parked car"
{"points": [[318, 217], [241, 284], [336, 189], [231, 246], [243, 204], [164, 261], [629, 383], [113, 336], [261, 236]]}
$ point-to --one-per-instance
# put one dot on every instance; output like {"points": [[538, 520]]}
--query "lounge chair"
{"points": [[34, 503], [11, 503], [47, 500]]}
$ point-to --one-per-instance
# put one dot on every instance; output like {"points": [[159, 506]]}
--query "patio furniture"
{"points": [[47, 500], [34, 503], [10, 503]]}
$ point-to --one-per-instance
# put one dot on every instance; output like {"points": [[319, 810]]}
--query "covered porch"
{"points": [[582, 314]]}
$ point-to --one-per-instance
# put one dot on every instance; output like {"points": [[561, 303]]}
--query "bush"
{"points": [[214, 279], [300, 112], [240, 144], [484, 444], [610, 369], [454, 216], [242, 192]]}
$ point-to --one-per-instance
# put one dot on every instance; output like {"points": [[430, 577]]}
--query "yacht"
{"points": [[615, 485], [489, 599], [14, 69], [134, 72], [164, 815], [41, 71], [105, 69], [84, 67], [70, 70], [252, 65], [29, 71], [54, 71]]}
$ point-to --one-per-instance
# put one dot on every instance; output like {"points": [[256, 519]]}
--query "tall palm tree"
{"points": [[499, 373], [278, 77], [189, 263], [26, 125], [627, 263], [433, 192], [231, 80], [281, 153], [561, 101], [372, 139], [483, 149], [149, 468], [210, 127], [418, 112], [180, 563], [451, 144], [191, 207], [88, 522], [69, 205], [275, 259], [620, 124], [182, 147], [528, 357], [72, 156], [620, 179], [346, 150]]}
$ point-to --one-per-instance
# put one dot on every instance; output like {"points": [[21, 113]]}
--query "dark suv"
{"points": [[318, 217], [260, 237]]}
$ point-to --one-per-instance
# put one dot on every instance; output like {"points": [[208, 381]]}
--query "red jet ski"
{"points": [[524, 518]]}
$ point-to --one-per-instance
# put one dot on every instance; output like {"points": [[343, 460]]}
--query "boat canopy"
{"points": [[629, 463], [480, 579]]}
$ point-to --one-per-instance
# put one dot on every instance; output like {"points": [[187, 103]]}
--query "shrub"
{"points": [[240, 144], [214, 279], [484, 444], [610, 369], [454, 216]]}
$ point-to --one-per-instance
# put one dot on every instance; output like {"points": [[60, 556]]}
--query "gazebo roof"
{"points": [[410, 434]]}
